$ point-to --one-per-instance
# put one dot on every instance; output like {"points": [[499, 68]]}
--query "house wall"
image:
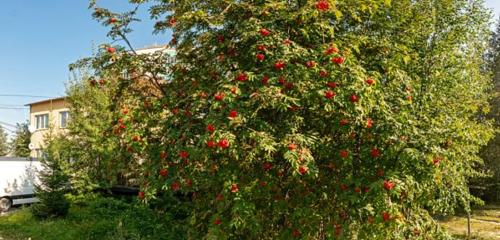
{"points": [[53, 108]]}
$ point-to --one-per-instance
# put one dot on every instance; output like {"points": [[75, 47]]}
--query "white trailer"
{"points": [[17, 179]]}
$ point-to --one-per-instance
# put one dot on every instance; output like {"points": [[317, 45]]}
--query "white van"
{"points": [[17, 179]]}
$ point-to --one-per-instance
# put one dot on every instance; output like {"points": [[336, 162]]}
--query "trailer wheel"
{"points": [[5, 204]]}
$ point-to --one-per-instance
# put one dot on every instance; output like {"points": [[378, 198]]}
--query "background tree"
{"points": [[4, 147], [306, 119], [21, 141], [489, 188], [53, 182], [98, 158]]}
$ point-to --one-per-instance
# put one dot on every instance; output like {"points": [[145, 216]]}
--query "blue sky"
{"points": [[38, 39], [495, 5]]}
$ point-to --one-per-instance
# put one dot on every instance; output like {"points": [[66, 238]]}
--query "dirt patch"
{"points": [[485, 224]]}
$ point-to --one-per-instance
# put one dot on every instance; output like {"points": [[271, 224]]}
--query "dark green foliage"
{"points": [[488, 187], [21, 141], [52, 205], [129, 221], [4, 148], [54, 183]]}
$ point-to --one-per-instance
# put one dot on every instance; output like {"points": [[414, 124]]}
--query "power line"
{"points": [[13, 108], [10, 130], [22, 95], [11, 105], [6, 128], [8, 124]]}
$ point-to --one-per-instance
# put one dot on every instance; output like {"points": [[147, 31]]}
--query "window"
{"points": [[64, 118], [39, 153], [42, 121]]}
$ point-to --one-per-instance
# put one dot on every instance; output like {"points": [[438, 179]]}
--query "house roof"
{"points": [[45, 101], [153, 46]]}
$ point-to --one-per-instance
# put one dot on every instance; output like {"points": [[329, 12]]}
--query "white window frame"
{"points": [[42, 121]]}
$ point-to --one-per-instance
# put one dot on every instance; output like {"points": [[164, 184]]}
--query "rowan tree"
{"points": [[304, 119]]}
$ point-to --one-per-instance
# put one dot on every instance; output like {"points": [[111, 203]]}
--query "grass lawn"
{"points": [[103, 218], [485, 224], [21, 225], [109, 219]]}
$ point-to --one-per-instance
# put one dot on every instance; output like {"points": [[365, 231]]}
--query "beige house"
{"points": [[50, 114]]}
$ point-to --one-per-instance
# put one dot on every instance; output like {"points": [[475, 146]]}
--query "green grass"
{"points": [[111, 219], [101, 218], [21, 225]]}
